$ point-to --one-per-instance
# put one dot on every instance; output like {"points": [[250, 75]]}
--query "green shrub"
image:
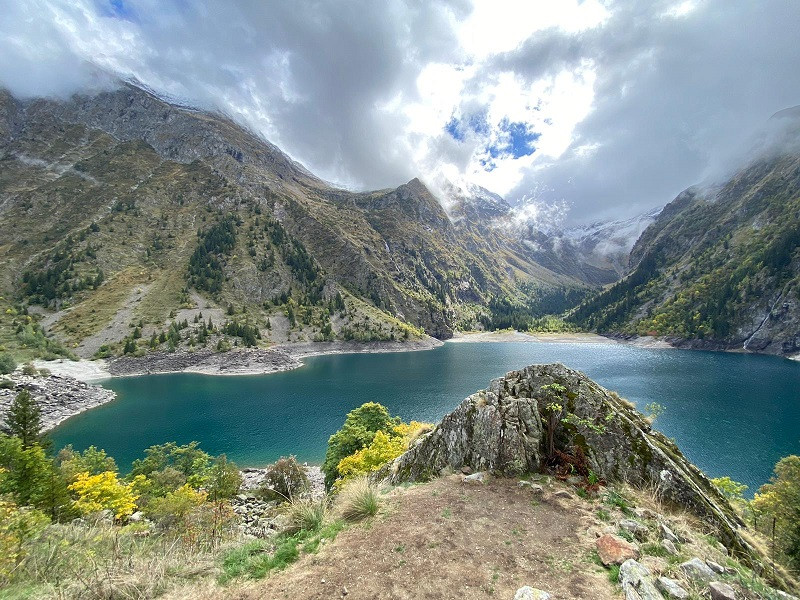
{"points": [[285, 479], [358, 431], [778, 503], [306, 514], [29, 370], [7, 363]]}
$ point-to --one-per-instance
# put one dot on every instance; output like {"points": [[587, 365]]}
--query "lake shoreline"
{"points": [[240, 361], [59, 397]]}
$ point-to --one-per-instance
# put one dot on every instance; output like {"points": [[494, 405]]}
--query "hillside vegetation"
{"points": [[720, 266], [120, 210]]}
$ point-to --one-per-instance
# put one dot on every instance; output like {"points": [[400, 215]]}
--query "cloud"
{"points": [[608, 108]]}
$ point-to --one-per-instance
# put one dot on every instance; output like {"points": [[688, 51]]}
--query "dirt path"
{"points": [[450, 539]]}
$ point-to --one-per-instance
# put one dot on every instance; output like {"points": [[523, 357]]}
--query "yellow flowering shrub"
{"points": [[174, 509], [17, 526], [105, 491], [384, 448]]}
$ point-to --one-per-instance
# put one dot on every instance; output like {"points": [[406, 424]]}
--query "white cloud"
{"points": [[630, 99]]}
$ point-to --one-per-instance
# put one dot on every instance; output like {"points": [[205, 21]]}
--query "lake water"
{"points": [[731, 414]]}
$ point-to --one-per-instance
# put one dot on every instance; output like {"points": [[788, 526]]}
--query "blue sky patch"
{"points": [[510, 139], [519, 138], [116, 8], [476, 123]]}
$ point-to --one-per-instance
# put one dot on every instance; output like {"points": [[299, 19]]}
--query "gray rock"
{"points": [[637, 582], [500, 429], [635, 528], [136, 517], [529, 593], [669, 547], [668, 534], [644, 513], [721, 591], [671, 588], [537, 489], [716, 567], [696, 570], [59, 398], [563, 494]]}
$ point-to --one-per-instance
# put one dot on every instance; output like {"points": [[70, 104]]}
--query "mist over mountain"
{"points": [[720, 267]]}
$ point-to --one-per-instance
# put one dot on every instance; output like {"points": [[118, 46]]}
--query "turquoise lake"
{"points": [[731, 414]]}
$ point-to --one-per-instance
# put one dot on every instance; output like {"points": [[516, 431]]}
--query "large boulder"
{"points": [[504, 429]]}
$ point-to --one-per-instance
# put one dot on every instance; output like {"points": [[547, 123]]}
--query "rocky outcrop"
{"points": [[505, 429], [59, 398]]}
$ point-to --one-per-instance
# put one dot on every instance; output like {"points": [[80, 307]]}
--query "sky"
{"points": [[589, 110]]}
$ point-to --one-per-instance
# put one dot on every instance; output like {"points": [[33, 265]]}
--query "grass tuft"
{"points": [[358, 500], [306, 514]]}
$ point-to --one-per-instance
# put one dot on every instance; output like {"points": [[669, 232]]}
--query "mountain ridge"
{"points": [[112, 192]]}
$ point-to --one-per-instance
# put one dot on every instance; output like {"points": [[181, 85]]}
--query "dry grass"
{"points": [[101, 562], [306, 514], [358, 500]]}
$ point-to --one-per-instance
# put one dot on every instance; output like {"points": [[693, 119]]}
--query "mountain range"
{"points": [[119, 207], [125, 215]]}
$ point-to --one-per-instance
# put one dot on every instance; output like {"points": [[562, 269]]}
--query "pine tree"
{"points": [[24, 419]]}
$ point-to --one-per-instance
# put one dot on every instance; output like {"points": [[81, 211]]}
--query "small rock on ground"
{"points": [[529, 593], [637, 582], [635, 528], [671, 588], [668, 534], [478, 477], [716, 567], [669, 547], [696, 570], [721, 591], [614, 550]]}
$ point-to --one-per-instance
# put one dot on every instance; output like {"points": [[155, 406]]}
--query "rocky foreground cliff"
{"points": [[552, 418]]}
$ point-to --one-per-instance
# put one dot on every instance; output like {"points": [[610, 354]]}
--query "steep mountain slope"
{"points": [[121, 209], [720, 267]]}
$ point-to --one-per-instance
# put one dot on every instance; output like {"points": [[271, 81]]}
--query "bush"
{"points": [[18, 526], [384, 448], [285, 479], [778, 502], [358, 431], [7, 363], [173, 510], [91, 460], [358, 499], [104, 492], [29, 370]]}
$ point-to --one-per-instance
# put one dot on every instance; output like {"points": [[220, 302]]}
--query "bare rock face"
{"points": [[504, 429]]}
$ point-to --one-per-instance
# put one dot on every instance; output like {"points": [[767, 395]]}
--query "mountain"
{"points": [[719, 267], [596, 254], [125, 216]]}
